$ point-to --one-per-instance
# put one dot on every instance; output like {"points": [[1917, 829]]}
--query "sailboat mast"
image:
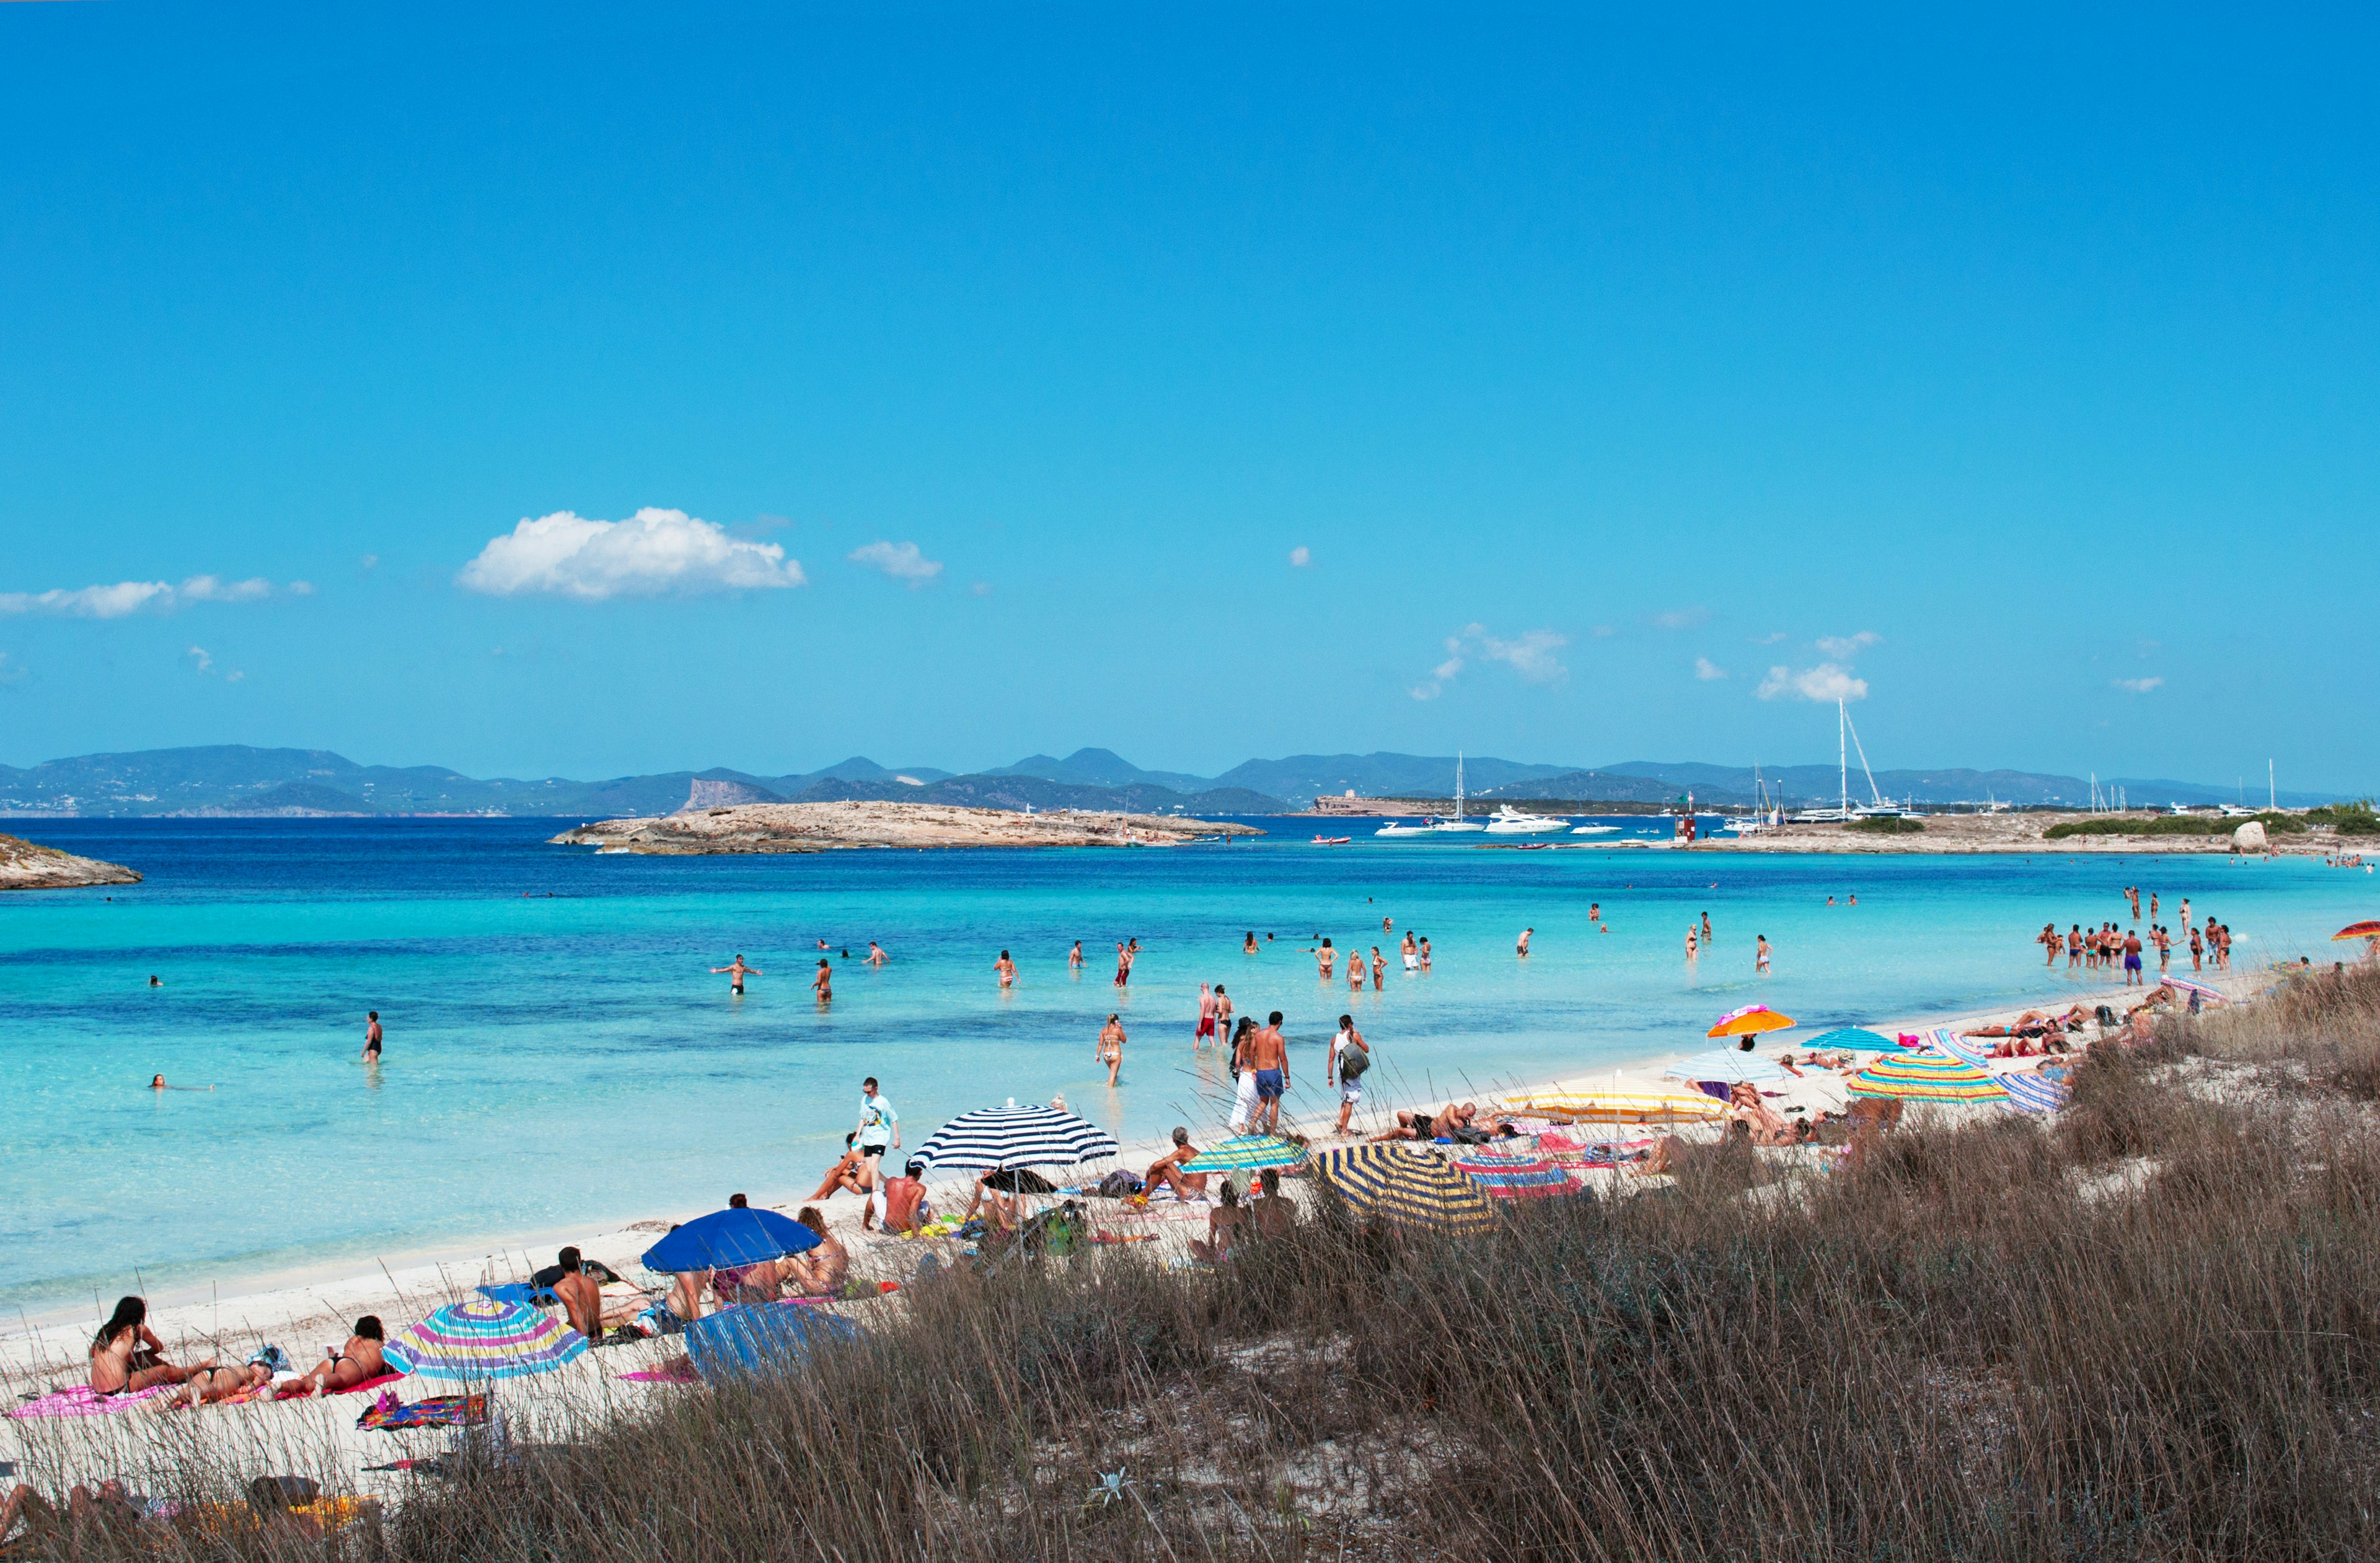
{"points": [[1842, 760], [1458, 783]]}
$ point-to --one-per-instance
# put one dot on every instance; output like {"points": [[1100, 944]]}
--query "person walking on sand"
{"points": [[737, 972], [823, 984], [1380, 968], [1206, 1017], [1760, 956], [372, 1036], [1007, 969], [1110, 1052], [1269, 1052], [879, 1131], [1244, 1084], [1350, 1056], [1521, 945]]}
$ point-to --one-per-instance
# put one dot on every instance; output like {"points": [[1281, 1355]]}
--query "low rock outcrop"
{"points": [[820, 826], [25, 866]]}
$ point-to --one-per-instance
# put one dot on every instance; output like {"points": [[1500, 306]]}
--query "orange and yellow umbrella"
{"points": [[1750, 1020], [2368, 929]]}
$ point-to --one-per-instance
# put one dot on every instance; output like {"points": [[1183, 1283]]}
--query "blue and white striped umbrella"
{"points": [[1015, 1136]]}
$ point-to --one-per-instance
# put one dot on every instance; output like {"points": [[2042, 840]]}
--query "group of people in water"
{"points": [[2108, 946]]}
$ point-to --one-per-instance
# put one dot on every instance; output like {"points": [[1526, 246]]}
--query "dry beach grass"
{"points": [[2144, 1330]]}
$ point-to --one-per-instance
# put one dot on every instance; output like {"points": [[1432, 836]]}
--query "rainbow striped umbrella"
{"points": [[1926, 1077], [1405, 1186], [2368, 929], [483, 1338], [2028, 1092], [1248, 1151], [1514, 1177]]}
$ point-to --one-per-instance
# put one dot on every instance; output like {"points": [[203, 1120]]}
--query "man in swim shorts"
{"points": [[1206, 1016], [2132, 960], [1269, 1055], [737, 972]]}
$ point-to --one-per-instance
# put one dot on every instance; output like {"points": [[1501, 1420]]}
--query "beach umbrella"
{"points": [[2207, 991], [1729, 1064], [483, 1338], [1750, 1020], [1002, 1137], [2027, 1092], [2368, 929], [1926, 1077], [1852, 1039], [1405, 1186], [1248, 1152], [1514, 1177], [1617, 1107], [727, 1239]]}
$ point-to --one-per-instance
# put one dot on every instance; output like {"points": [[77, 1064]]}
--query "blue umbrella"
{"points": [[1850, 1038], [1724, 1064], [728, 1239]]}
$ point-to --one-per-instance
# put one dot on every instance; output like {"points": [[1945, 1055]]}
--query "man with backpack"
{"points": [[1350, 1056]]}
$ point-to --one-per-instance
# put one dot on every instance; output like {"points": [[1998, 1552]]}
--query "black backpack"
{"points": [[1353, 1062]]}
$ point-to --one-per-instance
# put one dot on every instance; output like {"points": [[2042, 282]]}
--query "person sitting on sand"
{"points": [[125, 1358], [1001, 1210], [1745, 1106], [1222, 1222], [1275, 1213], [855, 1171], [360, 1359], [581, 1299], [905, 1209], [1167, 1169], [819, 1272]]}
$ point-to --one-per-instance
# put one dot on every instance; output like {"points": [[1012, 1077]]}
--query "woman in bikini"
{"points": [[1327, 959], [1110, 1051], [1379, 969], [125, 1358], [360, 1359], [819, 1272]]}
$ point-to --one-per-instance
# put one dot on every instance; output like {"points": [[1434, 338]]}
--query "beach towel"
{"points": [[81, 1400], [664, 1376], [439, 1410]]}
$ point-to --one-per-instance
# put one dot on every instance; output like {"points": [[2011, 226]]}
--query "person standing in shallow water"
{"points": [[735, 973], [1110, 1052], [823, 984], [372, 1036], [1007, 969]]}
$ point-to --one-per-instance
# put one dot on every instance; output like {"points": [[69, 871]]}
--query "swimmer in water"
{"points": [[1007, 969], [1522, 946], [154, 983], [735, 973], [876, 956], [823, 984], [156, 1082], [1074, 957], [1248, 945], [1760, 959]]}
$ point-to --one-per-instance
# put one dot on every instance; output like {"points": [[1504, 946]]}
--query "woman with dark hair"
{"points": [[127, 1358], [358, 1360], [819, 1272]]}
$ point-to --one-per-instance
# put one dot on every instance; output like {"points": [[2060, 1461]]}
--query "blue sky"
{"points": [[1222, 382]]}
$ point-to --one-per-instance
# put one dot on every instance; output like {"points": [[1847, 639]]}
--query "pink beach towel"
{"points": [[83, 1400]]}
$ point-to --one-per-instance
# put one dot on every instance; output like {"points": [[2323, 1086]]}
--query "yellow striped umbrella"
{"points": [[1618, 1107], [1926, 1077], [1406, 1186]]}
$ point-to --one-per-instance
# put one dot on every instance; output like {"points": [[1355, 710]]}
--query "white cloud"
{"points": [[1768, 639], [1530, 655], [1682, 618], [2138, 686], [1843, 648], [653, 553], [1300, 557], [981, 588], [368, 561], [301, 588], [212, 589], [199, 660], [1605, 632], [1708, 671], [234, 676], [1825, 681], [126, 597], [900, 562]]}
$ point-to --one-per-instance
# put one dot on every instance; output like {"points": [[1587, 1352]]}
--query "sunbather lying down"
{"points": [[1455, 1121], [208, 1385], [107, 1507]]}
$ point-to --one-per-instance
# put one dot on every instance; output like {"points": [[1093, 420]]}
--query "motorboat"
{"points": [[1510, 821], [1421, 830], [1333, 841], [1595, 829], [1457, 822]]}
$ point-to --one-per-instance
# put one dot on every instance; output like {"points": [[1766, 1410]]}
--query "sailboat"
{"points": [[1457, 822], [1764, 813]]}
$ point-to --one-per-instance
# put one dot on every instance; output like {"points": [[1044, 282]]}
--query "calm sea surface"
{"points": [[557, 1051]]}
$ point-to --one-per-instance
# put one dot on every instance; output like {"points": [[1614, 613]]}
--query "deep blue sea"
{"points": [[558, 1050]]}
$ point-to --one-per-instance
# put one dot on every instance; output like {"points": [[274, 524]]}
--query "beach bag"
{"points": [[1118, 1184], [1353, 1064]]}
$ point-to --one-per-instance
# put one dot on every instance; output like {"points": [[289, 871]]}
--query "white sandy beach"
{"points": [[306, 1312]]}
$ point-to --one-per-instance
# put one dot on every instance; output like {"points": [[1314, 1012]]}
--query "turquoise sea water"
{"points": [[567, 1057]]}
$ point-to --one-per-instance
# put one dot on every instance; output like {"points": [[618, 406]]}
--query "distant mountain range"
{"points": [[236, 780]]}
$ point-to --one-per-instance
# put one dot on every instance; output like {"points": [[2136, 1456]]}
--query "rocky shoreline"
{"points": [[825, 826], [25, 866]]}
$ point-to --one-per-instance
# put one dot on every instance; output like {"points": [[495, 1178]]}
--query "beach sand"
{"points": [[304, 1314]]}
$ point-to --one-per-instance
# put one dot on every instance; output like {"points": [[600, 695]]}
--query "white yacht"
{"points": [[1595, 829], [1421, 830], [1510, 821], [1457, 822]]}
